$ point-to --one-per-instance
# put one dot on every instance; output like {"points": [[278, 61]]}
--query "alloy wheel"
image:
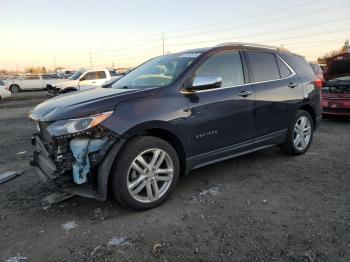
{"points": [[14, 89], [302, 133], [150, 175]]}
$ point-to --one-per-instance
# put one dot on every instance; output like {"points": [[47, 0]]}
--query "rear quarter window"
{"points": [[284, 70], [300, 66]]}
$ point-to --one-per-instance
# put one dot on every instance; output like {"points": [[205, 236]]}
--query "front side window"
{"points": [[263, 66], [226, 65], [157, 72], [89, 76]]}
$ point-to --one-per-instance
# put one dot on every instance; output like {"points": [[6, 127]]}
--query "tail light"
{"points": [[318, 83]]}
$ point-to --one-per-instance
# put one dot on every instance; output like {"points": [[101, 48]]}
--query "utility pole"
{"points": [[163, 41], [90, 58]]}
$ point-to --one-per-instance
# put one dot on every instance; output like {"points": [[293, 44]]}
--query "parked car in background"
{"points": [[173, 114], [83, 79], [318, 70], [65, 73], [336, 90], [31, 82], [4, 93]]}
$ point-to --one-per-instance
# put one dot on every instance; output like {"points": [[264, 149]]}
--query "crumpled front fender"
{"points": [[105, 168]]}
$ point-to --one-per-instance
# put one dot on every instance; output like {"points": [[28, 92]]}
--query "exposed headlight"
{"points": [[69, 126]]}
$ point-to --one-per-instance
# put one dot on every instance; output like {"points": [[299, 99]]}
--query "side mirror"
{"points": [[205, 82], [82, 79]]}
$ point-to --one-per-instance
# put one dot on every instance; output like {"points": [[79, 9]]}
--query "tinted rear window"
{"points": [[300, 66], [263, 66]]}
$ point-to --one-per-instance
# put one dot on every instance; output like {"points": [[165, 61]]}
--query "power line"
{"points": [[253, 15], [261, 33], [263, 22]]}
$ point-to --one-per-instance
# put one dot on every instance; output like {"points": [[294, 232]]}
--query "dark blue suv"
{"points": [[173, 114]]}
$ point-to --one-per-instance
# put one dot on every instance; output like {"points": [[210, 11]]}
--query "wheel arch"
{"points": [[69, 89], [165, 131], [308, 108], [14, 84], [157, 129]]}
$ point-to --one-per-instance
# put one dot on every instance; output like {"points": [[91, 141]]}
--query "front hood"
{"points": [[83, 103], [67, 83]]}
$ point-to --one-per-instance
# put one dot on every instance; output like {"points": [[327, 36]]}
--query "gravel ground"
{"points": [[264, 206]]}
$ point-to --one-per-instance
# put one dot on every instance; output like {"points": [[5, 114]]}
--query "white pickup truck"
{"points": [[83, 79], [31, 82]]}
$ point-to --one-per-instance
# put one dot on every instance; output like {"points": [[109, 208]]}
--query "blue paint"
{"points": [[81, 147]]}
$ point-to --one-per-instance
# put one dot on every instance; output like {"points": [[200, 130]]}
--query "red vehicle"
{"points": [[336, 89], [318, 71]]}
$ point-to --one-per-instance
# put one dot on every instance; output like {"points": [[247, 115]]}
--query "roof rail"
{"points": [[251, 45]]}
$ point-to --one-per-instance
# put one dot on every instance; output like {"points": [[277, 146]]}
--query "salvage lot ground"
{"points": [[260, 207]]}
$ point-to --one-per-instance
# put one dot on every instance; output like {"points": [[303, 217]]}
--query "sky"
{"points": [[126, 33]]}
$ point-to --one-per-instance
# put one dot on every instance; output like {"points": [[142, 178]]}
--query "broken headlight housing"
{"points": [[70, 126]]}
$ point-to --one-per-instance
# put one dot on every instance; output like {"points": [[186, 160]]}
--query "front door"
{"points": [[221, 118]]}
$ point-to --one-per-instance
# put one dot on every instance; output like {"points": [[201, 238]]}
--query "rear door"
{"points": [[277, 93], [31, 82]]}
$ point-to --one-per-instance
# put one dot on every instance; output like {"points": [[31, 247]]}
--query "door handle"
{"points": [[292, 85], [245, 93]]}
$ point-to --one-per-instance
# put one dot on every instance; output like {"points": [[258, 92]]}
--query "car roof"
{"points": [[249, 46]]}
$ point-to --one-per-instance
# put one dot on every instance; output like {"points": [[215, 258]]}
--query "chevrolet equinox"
{"points": [[173, 114]]}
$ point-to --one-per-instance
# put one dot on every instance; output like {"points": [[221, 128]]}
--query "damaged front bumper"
{"points": [[83, 169], [53, 90]]}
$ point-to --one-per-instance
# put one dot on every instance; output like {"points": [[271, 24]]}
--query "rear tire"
{"points": [[300, 134], [14, 89], [145, 173]]}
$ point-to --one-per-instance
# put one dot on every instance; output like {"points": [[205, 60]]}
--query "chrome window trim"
{"points": [[293, 73]]}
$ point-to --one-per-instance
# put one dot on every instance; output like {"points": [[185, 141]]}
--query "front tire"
{"points": [[145, 173], [300, 134]]}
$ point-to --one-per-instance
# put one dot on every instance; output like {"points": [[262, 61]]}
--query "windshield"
{"points": [[157, 72], [76, 75]]}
